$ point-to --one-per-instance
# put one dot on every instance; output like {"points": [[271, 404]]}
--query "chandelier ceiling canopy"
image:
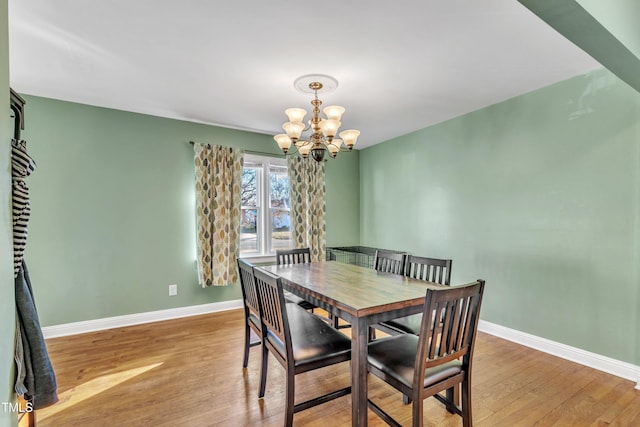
{"points": [[321, 129]]}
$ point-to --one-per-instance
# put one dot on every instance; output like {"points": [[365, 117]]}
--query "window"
{"points": [[265, 223]]}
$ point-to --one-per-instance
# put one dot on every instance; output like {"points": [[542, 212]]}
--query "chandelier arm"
{"points": [[292, 150], [344, 150]]}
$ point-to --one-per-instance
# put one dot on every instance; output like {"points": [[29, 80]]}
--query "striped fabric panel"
{"points": [[21, 166]]}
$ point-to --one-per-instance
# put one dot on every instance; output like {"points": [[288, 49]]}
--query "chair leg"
{"points": [[452, 399], [417, 411], [335, 320], [247, 338], [263, 370], [456, 395], [290, 403], [406, 399], [467, 418]]}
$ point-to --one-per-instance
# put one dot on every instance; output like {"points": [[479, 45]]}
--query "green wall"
{"points": [[343, 203], [620, 17], [113, 209], [7, 299], [538, 195], [608, 31]]}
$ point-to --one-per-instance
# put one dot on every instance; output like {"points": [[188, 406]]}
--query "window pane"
{"points": [[249, 192], [281, 229], [279, 187], [249, 243], [264, 223]]}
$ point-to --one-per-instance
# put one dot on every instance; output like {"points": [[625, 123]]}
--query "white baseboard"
{"points": [[592, 360], [586, 358], [136, 319]]}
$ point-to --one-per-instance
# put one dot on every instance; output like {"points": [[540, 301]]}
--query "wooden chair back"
{"points": [[249, 295], [454, 336], [428, 269], [293, 256], [389, 262], [272, 309]]}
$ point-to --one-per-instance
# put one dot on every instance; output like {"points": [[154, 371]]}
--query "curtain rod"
{"points": [[258, 153]]}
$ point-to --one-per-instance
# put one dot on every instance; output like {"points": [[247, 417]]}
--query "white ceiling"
{"points": [[401, 66]]}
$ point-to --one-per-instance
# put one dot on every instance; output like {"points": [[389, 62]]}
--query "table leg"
{"points": [[359, 339]]}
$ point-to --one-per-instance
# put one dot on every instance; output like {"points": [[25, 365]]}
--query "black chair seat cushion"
{"points": [[311, 338], [295, 299], [396, 357], [408, 324]]}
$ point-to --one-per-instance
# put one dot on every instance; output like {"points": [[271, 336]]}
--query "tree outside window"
{"points": [[265, 223]]}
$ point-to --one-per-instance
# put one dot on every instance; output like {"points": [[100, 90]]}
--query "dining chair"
{"points": [[422, 268], [299, 341], [251, 308], [430, 269], [295, 256], [389, 262], [438, 359], [252, 322], [301, 256]]}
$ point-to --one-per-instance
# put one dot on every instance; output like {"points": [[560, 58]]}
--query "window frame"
{"points": [[264, 222]]}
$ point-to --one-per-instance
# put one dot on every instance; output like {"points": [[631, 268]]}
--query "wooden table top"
{"points": [[356, 290]]}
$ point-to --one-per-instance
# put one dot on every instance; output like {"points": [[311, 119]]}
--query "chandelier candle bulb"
{"points": [[334, 112], [296, 115], [334, 147], [284, 142], [329, 127], [293, 129], [350, 137], [304, 150]]}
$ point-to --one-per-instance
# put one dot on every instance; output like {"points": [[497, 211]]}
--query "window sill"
{"points": [[260, 259]]}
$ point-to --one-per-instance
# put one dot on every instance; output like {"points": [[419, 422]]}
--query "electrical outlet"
{"points": [[173, 290]]}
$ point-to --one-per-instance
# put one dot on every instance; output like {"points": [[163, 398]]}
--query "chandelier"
{"points": [[322, 130]]}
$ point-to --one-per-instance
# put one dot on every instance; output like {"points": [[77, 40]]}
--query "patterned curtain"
{"points": [[306, 187], [218, 177]]}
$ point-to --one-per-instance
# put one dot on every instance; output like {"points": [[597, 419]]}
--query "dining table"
{"points": [[361, 296]]}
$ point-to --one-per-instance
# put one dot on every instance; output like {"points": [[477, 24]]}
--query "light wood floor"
{"points": [[188, 372]]}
